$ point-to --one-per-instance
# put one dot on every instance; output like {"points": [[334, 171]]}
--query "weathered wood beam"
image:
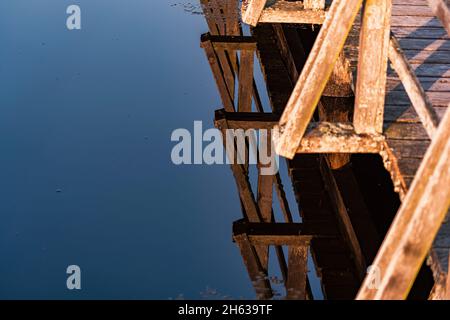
{"points": [[413, 88], [246, 120], [292, 12], [372, 66], [231, 42], [326, 137], [297, 272], [251, 11], [315, 75], [258, 275], [441, 10], [321, 137], [416, 224], [316, 229], [314, 4]]}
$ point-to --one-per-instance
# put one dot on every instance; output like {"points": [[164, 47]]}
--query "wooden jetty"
{"points": [[358, 95]]}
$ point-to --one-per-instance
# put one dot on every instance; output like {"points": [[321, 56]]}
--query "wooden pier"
{"points": [[344, 78]]}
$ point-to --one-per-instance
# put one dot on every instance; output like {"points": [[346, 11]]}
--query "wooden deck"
{"points": [[345, 237]]}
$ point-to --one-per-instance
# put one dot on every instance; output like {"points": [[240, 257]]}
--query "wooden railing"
{"points": [[425, 206]]}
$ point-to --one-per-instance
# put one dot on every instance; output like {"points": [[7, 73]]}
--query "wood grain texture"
{"points": [[372, 66]]}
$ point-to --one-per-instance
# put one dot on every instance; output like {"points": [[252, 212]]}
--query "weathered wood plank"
{"points": [[405, 131], [420, 56], [291, 12], [315, 75], [420, 33], [372, 66], [435, 99], [297, 273], [430, 84], [232, 42], [424, 44], [408, 148], [411, 10], [419, 99], [414, 21], [416, 224], [326, 137], [251, 11]]}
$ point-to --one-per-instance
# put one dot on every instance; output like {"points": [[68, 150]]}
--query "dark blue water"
{"points": [[85, 170]]}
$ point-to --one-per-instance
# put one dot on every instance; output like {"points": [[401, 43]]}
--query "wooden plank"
{"points": [[309, 229], [416, 224], [414, 89], [406, 113], [414, 21], [315, 75], [233, 42], [343, 217], [257, 274], [430, 84], [372, 66], [435, 99], [420, 33], [245, 120], [420, 56], [411, 10], [251, 11], [424, 44], [408, 148], [291, 12], [405, 131], [441, 10], [297, 273], [245, 81]]}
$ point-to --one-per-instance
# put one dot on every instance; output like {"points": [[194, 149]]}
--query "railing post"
{"points": [[372, 66]]}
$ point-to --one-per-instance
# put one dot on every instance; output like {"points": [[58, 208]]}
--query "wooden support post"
{"points": [[258, 275], [416, 224], [251, 11], [413, 88], [441, 10], [297, 272], [372, 66], [245, 81], [315, 75]]}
